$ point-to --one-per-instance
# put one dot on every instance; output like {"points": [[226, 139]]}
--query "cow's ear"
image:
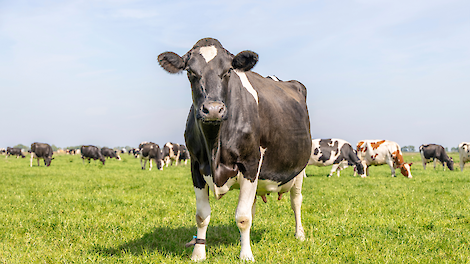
{"points": [[245, 60], [171, 62]]}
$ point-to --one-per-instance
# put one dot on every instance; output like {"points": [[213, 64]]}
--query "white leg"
{"points": [[31, 160], [150, 165], [333, 169], [203, 217], [392, 167], [461, 164], [296, 204], [141, 164], [243, 216], [435, 161]]}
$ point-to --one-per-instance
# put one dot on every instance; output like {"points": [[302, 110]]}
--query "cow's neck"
{"points": [[229, 138]]}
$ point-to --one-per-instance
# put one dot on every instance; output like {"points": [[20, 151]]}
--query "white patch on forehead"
{"points": [[246, 83], [208, 53]]}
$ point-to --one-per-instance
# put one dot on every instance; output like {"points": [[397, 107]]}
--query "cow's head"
{"points": [[360, 169], [102, 159], [209, 67], [47, 161], [405, 169], [450, 163]]}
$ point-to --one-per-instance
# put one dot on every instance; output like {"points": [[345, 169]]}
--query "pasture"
{"points": [[117, 213]]}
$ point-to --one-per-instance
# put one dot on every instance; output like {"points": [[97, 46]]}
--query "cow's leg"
{"points": [[462, 164], [38, 162], [333, 169], [392, 167], [203, 217], [435, 161], [424, 163], [141, 164], [150, 164], [243, 216], [296, 204], [31, 160]]}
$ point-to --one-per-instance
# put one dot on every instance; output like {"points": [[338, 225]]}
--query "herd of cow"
{"points": [[147, 151], [340, 154], [252, 133]]}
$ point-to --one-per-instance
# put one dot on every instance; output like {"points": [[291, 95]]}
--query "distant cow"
{"points": [[378, 152], [151, 151], [171, 152], [184, 154], [109, 153], [3, 151], [18, 152], [41, 151], [433, 152], [336, 152], [91, 152], [464, 154]]}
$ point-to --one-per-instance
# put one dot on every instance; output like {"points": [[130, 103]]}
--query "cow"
{"points": [[243, 131], [184, 154], [3, 151], [150, 151], [378, 152], [464, 154], [18, 152], [41, 151], [171, 152], [91, 152], [336, 152], [433, 152], [109, 153]]}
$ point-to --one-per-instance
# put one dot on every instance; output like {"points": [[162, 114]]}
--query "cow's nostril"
{"points": [[205, 110]]}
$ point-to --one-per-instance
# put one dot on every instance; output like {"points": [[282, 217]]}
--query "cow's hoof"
{"points": [[300, 235], [199, 253], [247, 257]]}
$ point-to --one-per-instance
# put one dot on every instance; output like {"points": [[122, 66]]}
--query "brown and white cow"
{"points": [[464, 154], [243, 132], [378, 152]]}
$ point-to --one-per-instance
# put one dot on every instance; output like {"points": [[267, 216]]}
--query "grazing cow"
{"points": [[91, 152], [464, 153], [184, 154], [3, 151], [433, 152], [243, 131], [171, 152], [151, 151], [41, 151], [18, 152], [336, 152], [109, 153], [378, 152]]}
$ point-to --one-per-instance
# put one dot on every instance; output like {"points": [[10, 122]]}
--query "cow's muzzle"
{"points": [[213, 112]]}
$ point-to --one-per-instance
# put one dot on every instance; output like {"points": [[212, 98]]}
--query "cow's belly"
{"points": [[315, 161], [375, 159]]}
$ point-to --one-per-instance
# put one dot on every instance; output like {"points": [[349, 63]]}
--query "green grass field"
{"points": [[117, 213]]}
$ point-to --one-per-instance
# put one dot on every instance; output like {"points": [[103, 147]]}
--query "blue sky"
{"points": [[85, 72]]}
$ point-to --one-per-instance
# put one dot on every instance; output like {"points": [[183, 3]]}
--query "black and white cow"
{"points": [[171, 153], [41, 151], [3, 151], [91, 152], [150, 151], [18, 152], [109, 153], [464, 154], [433, 152], [184, 154], [336, 152], [243, 131]]}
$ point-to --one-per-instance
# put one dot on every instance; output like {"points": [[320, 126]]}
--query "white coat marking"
{"points": [[246, 83], [208, 53]]}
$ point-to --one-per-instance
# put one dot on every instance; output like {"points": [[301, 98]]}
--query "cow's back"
{"points": [[376, 152]]}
